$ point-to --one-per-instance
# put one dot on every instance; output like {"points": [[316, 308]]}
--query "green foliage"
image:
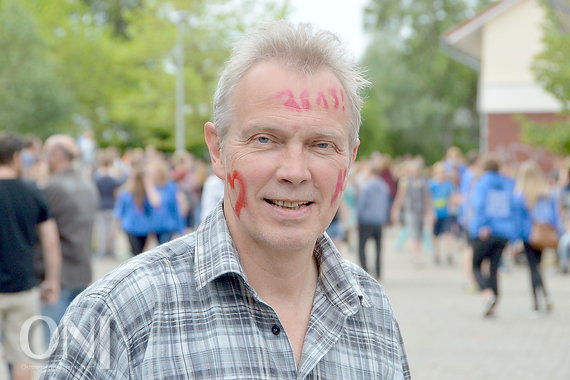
{"points": [[32, 100], [424, 99], [554, 136], [109, 65], [551, 68]]}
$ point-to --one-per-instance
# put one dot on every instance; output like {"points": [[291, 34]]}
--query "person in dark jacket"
{"points": [[373, 210], [491, 227]]}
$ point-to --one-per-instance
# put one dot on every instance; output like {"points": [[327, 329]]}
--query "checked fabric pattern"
{"points": [[185, 310]]}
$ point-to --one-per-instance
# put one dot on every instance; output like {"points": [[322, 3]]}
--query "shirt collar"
{"points": [[337, 278], [217, 255]]}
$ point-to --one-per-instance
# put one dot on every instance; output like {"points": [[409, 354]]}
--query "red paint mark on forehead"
{"points": [[241, 199], [322, 101], [305, 101], [290, 101], [333, 93], [302, 102], [339, 184]]}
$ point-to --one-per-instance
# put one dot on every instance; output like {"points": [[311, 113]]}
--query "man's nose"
{"points": [[294, 166]]}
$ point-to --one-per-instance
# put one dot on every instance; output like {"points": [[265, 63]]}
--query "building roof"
{"points": [[463, 42]]}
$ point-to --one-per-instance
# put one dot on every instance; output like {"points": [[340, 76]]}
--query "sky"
{"points": [[343, 17]]}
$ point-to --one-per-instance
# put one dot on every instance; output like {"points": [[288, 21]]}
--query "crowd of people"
{"points": [[477, 206]]}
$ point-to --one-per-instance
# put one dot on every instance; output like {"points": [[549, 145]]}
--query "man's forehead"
{"points": [[275, 73], [272, 82]]}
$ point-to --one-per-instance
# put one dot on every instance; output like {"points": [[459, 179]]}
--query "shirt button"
{"points": [[275, 330]]}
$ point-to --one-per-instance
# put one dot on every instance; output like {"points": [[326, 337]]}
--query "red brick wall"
{"points": [[504, 137]]}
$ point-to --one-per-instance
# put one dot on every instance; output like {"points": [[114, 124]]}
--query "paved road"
{"points": [[445, 335]]}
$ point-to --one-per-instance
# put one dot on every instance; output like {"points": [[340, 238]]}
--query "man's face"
{"points": [[285, 157]]}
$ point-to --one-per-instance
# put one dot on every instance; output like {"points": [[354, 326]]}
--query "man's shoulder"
{"points": [[148, 279]]}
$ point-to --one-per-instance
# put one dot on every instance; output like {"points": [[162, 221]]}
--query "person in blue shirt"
{"points": [[167, 217], [564, 202], [441, 189], [134, 207], [491, 227], [535, 202], [373, 210]]}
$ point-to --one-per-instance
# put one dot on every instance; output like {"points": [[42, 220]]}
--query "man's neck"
{"points": [[8, 172], [289, 277]]}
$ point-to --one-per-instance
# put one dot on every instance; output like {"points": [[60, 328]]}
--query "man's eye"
{"points": [[323, 145], [263, 139]]}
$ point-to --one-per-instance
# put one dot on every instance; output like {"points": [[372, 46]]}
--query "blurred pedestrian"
{"points": [[87, 146], [467, 181], [73, 202], [107, 183], [535, 203], [24, 217], [564, 202], [413, 200], [492, 226], [212, 193], [183, 164], [373, 212], [167, 215], [133, 208], [441, 190]]}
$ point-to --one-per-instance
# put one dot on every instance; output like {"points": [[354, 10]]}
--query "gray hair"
{"points": [[300, 47]]}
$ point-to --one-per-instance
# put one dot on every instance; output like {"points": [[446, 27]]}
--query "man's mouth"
{"points": [[287, 204]]}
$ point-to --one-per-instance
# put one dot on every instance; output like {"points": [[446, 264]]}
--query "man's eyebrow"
{"points": [[260, 128], [326, 135]]}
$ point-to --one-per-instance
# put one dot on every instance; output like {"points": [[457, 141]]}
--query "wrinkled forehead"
{"points": [[272, 81]]}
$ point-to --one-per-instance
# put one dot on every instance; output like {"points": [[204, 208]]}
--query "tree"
{"points": [[552, 70], [429, 103], [116, 59], [31, 98]]}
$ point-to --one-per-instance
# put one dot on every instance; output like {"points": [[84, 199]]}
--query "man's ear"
{"points": [[355, 150], [215, 148]]}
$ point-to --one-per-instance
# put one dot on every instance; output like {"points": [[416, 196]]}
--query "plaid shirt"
{"points": [[185, 310]]}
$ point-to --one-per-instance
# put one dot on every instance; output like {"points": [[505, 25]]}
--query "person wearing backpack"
{"points": [[564, 202], [535, 204], [491, 227]]}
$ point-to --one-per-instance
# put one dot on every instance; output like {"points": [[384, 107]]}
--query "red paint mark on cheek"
{"points": [[241, 200], [342, 98], [339, 184]]}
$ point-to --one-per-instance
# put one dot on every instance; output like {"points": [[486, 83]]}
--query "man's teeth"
{"points": [[289, 204]]}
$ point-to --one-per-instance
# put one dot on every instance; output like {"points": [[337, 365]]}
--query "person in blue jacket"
{"points": [[535, 202], [491, 227], [167, 216], [134, 208]]}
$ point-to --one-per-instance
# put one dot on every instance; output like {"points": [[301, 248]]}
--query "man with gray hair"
{"points": [[258, 291], [73, 202]]}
